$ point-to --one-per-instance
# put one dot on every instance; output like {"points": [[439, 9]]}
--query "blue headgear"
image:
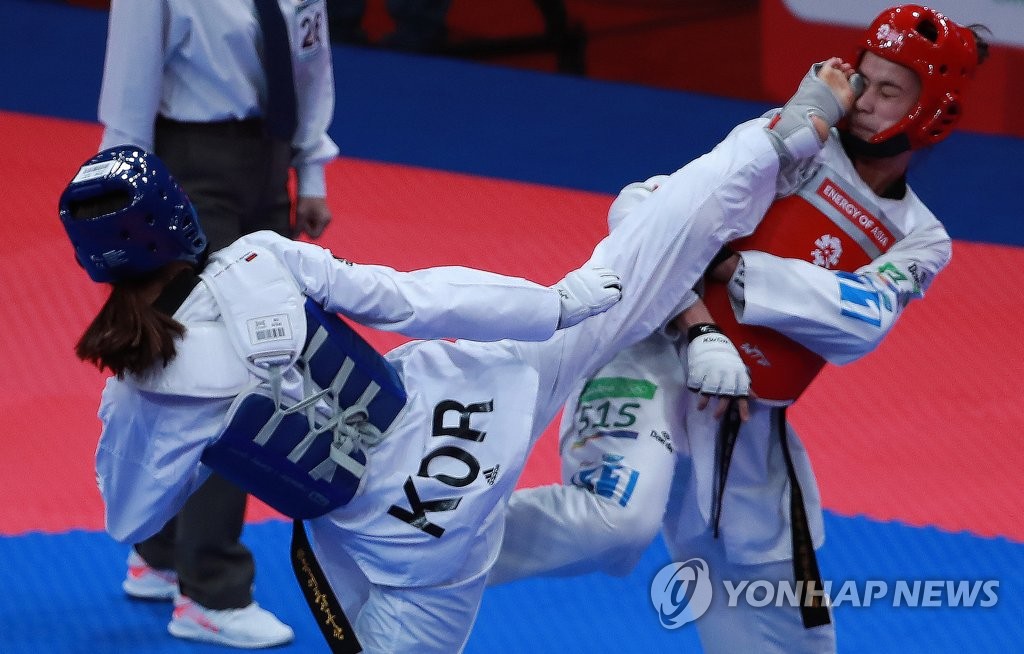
{"points": [[126, 216]]}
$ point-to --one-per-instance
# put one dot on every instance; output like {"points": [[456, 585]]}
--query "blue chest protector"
{"points": [[306, 457]]}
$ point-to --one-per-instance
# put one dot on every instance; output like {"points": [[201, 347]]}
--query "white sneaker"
{"points": [[251, 627], [148, 583]]}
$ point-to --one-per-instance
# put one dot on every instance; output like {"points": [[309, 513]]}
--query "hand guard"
{"points": [[586, 292], [793, 133], [713, 366]]}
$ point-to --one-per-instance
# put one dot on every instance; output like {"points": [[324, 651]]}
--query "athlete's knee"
{"points": [[624, 506], [627, 531]]}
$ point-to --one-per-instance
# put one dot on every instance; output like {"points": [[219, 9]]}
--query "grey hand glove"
{"points": [[793, 134]]}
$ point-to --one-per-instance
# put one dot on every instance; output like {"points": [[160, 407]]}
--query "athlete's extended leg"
{"points": [[617, 466]]}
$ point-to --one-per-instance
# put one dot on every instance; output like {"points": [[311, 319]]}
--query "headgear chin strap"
{"points": [[858, 147], [942, 53]]}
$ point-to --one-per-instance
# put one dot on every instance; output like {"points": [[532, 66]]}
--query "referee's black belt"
{"points": [[249, 127]]}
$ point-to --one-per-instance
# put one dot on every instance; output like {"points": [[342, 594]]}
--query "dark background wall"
{"points": [[747, 49]]}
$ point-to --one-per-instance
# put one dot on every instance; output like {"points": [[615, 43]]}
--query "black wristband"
{"points": [[700, 329]]}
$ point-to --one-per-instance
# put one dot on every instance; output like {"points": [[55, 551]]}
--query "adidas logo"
{"points": [[491, 475]]}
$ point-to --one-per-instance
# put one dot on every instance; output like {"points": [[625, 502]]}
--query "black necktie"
{"points": [[279, 114]]}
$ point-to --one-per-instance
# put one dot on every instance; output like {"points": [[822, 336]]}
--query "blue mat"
{"points": [[62, 594]]}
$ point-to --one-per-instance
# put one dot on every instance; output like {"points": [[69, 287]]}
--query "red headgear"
{"points": [[943, 54]]}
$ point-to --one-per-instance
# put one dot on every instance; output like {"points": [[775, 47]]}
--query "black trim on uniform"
{"points": [[728, 433], [813, 610], [316, 590]]}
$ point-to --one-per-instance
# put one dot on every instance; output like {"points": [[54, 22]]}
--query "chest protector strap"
{"points": [[297, 438]]}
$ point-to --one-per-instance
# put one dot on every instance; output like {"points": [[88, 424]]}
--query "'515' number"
{"points": [[591, 416]]}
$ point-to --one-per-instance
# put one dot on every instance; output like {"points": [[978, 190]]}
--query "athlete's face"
{"points": [[891, 91]]}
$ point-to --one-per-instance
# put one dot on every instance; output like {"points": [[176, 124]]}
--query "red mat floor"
{"points": [[917, 433]]}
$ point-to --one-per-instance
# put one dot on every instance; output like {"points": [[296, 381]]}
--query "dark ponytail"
{"points": [[130, 335], [980, 43]]}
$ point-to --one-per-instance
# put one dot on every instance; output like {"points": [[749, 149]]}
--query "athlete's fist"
{"points": [[714, 369], [586, 292]]}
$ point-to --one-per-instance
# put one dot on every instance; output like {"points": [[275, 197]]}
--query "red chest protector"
{"points": [[828, 223]]}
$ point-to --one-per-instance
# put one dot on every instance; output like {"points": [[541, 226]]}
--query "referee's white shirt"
{"points": [[200, 62]]}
